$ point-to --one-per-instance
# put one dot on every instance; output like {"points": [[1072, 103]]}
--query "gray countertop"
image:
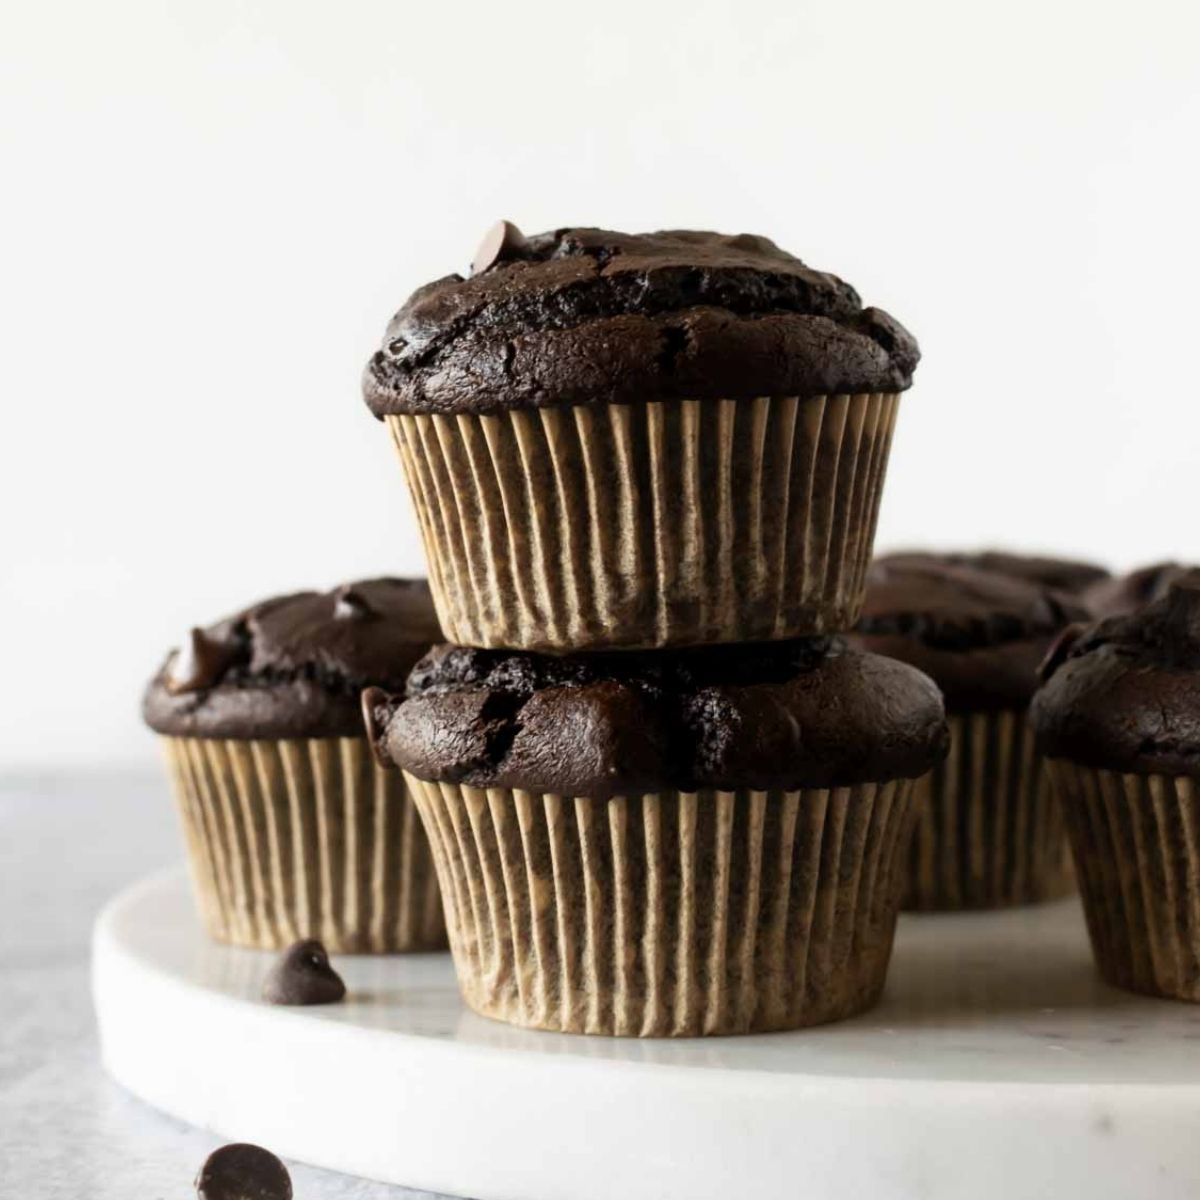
{"points": [[67, 843]]}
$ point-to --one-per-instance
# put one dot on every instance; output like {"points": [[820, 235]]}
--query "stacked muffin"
{"points": [[663, 798]]}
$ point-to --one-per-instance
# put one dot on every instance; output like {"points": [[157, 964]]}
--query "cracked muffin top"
{"points": [[783, 715], [293, 666], [1124, 694], [590, 317]]}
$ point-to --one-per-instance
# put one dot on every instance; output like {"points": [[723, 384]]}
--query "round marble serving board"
{"points": [[997, 1066]]}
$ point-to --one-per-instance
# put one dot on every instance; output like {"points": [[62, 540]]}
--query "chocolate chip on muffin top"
{"points": [[809, 713], [978, 634], [590, 316], [293, 666], [1124, 694]]}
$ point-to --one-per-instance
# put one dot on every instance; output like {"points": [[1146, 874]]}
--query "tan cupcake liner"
{"points": [[673, 914], [1136, 840], [654, 524], [989, 832], [297, 838]]}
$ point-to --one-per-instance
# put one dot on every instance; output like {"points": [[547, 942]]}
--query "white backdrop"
{"points": [[211, 209]]}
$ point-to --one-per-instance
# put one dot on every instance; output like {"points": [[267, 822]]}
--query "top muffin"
{"points": [[293, 666], [589, 316], [1124, 695]]}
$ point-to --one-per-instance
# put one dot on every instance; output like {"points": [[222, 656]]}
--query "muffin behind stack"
{"points": [[662, 800], [988, 833]]}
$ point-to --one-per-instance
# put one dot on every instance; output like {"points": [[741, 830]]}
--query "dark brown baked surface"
{"points": [[1066, 574], [1124, 694], [978, 634], [1125, 594], [293, 666], [590, 316], [809, 713]]}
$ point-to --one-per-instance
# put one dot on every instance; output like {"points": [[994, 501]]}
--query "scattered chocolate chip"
{"points": [[1060, 648], [241, 1171], [303, 976], [351, 605], [502, 243], [200, 662]]}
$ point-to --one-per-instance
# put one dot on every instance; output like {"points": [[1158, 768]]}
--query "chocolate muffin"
{"points": [[987, 833], [1065, 574], [670, 843], [641, 440], [293, 829], [1118, 718], [1125, 594]]}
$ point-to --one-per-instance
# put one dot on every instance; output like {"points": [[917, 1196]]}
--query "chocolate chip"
{"points": [[241, 1171], [373, 699], [303, 976], [502, 243], [752, 242], [350, 605], [1060, 650], [200, 663]]}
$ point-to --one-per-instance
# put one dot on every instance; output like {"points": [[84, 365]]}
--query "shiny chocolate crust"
{"points": [[1124, 694], [1125, 594], [978, 634], [1065, 574], [293, 666], [809, 713], [589, 317]]}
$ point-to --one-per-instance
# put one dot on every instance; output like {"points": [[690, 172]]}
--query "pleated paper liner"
{"points": [[297, 838], [989, 832], [657, 524], [673, 914], [1136, 840]]}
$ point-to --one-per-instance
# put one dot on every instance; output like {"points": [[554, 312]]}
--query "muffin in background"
{"points": [[641, 440], [1065, 574], [1125, 594], [669, 843], [293, 829], [1118, 718], [988, 833]]}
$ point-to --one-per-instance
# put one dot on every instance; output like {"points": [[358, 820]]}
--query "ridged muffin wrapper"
{"points": [[305, 837], [1136, 841], [671, 914], [989, 832], [656, 524]]}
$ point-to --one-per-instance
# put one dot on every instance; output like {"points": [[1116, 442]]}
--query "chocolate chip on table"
{"points": [[502, 243], [303, 976], [200, 662], [241, 1171]]}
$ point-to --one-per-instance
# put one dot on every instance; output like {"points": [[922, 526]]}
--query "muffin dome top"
{"points": [[978, 634], [1124, 694], [293, 666], [1067, 574], [1127, 593], [589, 316], [809, 713]]}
